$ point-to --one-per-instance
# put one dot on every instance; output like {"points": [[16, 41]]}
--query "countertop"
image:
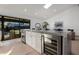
{"points": [[48, 32]]}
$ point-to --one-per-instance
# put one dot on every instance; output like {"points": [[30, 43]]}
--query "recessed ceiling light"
{"points": [[25, 10], [46, 6]]}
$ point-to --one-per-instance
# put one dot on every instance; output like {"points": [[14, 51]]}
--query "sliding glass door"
{"points": [[12, 30], [0, 30], [10, 27]]}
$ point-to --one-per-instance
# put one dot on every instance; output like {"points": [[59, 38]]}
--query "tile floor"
{"points": [[16, 47]]}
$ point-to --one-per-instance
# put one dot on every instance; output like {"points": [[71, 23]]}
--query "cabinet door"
{"points": [[38, 42], [33, 39], [28, 38]]}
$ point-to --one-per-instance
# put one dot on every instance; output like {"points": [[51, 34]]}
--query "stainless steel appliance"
{"points": [[53, 44]]}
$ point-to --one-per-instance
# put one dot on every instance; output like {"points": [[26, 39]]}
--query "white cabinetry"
{"points": [[48, 42], [33, 39], [38, 42], [28, 38]]}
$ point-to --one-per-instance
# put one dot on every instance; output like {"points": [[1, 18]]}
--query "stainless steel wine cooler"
{"points": [[53, 44]]}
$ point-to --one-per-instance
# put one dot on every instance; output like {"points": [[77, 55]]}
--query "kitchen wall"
{"points": [[34, 21], [70, 18]]}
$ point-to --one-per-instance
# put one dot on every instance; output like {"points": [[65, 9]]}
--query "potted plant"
{"points": [[45, 24]]}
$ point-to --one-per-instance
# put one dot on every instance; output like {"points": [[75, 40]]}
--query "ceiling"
{"points": [[32, 11]]}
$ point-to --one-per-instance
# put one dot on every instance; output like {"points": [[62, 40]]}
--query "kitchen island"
{"points": [[48, 42]]}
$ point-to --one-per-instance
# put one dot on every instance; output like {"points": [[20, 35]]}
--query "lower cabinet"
{"points": [[28, 38], [50, 44], [33, 39], [38, 43]]}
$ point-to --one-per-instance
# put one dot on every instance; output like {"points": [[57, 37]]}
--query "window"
{"points": [[10, 27]]}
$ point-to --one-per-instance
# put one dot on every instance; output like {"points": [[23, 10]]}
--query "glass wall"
{"points": [[10, 28], [0, 31], [24, 25]]}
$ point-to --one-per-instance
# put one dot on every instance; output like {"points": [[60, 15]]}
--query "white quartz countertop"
{"points": [[49, 32]]}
